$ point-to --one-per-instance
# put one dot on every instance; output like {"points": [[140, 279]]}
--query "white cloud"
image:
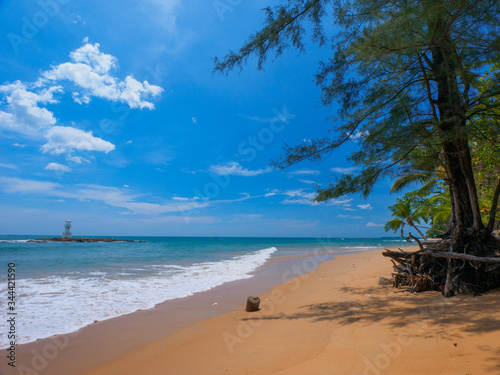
{"points": [[304, 172], [300, 201], [61, 139], [18, 145], [111, 196], [271, 193], [235, 169], [8, 166], [372, 224], [365, 206], [57, 167], [76, 159], [309, 182], [298, 196], [134, 93], [244, 198], [22, 186], [337, 202], [343, 170], [89, 70], [89, 54], [23, 113], [360, 134], [80, 99], [342, 216], [22, 104], [195, 120], [299, 193]]}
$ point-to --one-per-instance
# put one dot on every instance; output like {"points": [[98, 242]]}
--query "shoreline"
{"points": [[171, 315], [262, 276], [337, 309]]}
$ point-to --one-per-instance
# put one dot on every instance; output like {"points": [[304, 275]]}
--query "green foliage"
{"points": [[380, 72], [439, 209], [406, 211], [485, 148], [407, 78]]}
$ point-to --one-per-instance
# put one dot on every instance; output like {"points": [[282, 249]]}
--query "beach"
{"points": [[333, 320]]}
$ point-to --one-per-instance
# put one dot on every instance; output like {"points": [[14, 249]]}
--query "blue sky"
{"points": [[110, 116]]}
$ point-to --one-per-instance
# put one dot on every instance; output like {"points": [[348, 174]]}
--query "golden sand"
{"points": [[335, 320]]}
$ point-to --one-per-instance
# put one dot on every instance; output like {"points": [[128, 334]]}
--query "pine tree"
{"points": [[406, 76]]}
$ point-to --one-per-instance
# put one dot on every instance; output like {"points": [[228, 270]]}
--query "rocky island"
{"points": [[66, 239]]}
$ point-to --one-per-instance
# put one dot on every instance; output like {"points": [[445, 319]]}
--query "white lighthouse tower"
{"points": [[67, 227]]}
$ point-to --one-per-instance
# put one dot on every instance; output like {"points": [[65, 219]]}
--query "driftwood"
{"points": [[440, 254], [437, 266], [472, 258]]}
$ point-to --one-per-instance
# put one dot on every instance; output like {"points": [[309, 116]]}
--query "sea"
{"points": [[62, 287]]}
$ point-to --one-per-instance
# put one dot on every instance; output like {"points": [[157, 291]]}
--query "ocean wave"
{"points": [[70, 303]]}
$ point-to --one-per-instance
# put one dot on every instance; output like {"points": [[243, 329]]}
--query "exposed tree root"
{"points": [[444, 266]]}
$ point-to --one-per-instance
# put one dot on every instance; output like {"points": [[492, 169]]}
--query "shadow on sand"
{"points": [[427, 314]]}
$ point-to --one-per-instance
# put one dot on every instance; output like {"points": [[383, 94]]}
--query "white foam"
{"points": [[61, 304]]}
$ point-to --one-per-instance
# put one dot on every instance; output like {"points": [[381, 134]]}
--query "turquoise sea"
{"points": [[62, 287]]}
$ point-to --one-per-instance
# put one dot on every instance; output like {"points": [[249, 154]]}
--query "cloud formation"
{"points": [[235, 169], [343, 170], [304, 172], [89, 70], [23, 111], [65, 139], [366, 206], [111, 196], [299, 196], [57, 167]]}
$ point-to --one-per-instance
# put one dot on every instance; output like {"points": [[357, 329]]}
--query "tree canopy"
{"points": [[406, 76]]}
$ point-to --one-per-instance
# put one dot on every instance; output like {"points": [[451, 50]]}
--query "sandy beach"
{"points": [[334, 320]]}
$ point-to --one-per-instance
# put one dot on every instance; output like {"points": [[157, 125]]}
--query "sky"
{"points": [[110, 116]]}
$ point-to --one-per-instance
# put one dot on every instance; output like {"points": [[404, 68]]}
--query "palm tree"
{"points": [[429, 180], [405, 215], [440, 210]]}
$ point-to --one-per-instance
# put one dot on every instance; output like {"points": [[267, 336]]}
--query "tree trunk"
{"points": [[466, 220], [419, 232]]}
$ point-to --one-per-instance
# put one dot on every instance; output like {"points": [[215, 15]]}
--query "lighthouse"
{"points": [[67, 228]]}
